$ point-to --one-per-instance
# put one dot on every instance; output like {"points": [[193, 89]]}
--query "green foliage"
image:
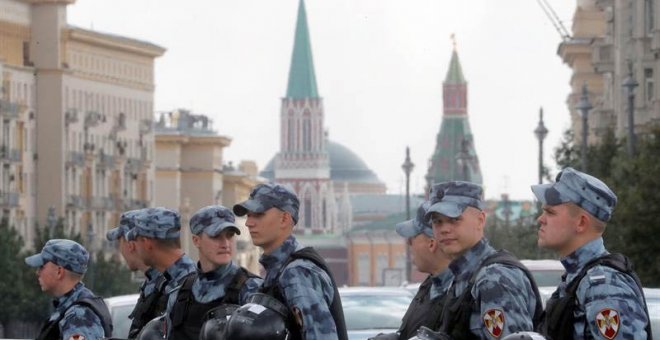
{"points": [[11, 266], [518, 237], [109, 277], [636, 181]]}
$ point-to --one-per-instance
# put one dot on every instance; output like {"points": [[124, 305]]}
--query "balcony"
{"points": [[97, 203], [9, 155], [75, 159], [130, 204], [8, 109], [9, 199], [603, 57], [76, 202], [104, 161], [109, 203], [134, 165]]}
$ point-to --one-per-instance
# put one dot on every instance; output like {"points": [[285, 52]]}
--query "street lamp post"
{"points": [[463, 158], [51, 220], [630, 83], [541, 132], [92, 262], [407, 169], [584, 105]]}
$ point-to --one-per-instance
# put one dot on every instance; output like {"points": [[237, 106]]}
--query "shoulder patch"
{"points": [[77, 337], [608, 322], [494, 322]]}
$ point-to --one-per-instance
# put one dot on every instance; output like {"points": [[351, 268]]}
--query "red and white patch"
{"points": [[608, 322], [494, 322], [77, 337]]}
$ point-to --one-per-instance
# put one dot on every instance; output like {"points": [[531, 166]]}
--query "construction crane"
{"points": [[554, 19]]}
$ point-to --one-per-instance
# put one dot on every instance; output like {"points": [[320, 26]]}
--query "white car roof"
{"points": [[543, 264]]}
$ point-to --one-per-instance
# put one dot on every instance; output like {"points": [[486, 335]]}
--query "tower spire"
{"points": [[455, 71], [302, 78]]}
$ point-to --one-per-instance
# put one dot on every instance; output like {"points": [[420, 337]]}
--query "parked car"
{"points": [[367, 310], [120, 308], [653, 303], [547, 274], [372, 310]]}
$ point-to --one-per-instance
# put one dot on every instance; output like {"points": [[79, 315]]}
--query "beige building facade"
{"points": [[611, 39], [77, 112], [190, 175]]}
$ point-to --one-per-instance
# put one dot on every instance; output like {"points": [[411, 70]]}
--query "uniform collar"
{"points": [[463, 266], [152, 274], [65, 301], [180, 268], [574, 262], [441, 282], [219, 272], [274, 261]]}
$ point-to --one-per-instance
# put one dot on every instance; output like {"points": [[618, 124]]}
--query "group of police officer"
{"points": [[472, 291]]}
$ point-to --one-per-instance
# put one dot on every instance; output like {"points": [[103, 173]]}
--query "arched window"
{"points": [[308, 211], [307, 134]]}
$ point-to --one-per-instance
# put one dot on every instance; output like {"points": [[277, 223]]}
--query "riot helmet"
{"points": [[155, 329], [524, 336], [215, 322], [263, 317]]}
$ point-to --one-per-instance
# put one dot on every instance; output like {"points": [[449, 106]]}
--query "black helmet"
{"points": [[424, 333], [215, 322], [263, 317], [524, 336], [155, 329]]}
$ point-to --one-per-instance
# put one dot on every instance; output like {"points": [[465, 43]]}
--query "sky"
{"points": [[379, 68]]}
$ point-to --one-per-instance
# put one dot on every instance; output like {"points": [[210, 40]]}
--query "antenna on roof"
{"points": [[554, 19]]}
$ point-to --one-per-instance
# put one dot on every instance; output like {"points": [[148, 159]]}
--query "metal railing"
{"points": [[9, 199], [8, 109]]}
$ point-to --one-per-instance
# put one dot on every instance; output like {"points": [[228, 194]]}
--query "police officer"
{"points": [[600, 297], [426, 307], [157, 238], [298, 277], [152, 301], [492, 294], [220, 280], [79, 314]]}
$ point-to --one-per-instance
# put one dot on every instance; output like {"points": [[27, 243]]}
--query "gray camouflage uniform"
{"points": [[610, 303], [78, 320]]}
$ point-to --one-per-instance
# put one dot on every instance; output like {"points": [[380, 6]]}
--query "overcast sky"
{"points": [[379, 68]]}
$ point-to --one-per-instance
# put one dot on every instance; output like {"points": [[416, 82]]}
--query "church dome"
{"points": [[345, 166]]}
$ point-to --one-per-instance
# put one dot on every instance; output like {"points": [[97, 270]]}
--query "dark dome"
{"points": [[345, 166]]}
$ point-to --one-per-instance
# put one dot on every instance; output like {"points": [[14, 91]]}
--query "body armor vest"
{"points": [[188, 315], [308, 253], [422, 311], [456, 311], [51, 330], [148, 308], [558, 319]]}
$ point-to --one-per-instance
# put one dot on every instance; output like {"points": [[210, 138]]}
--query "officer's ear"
{"points": [[196, 239]]}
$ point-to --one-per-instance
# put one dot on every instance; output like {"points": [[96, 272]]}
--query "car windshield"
{"points": [[547, 278], [374, 311]]}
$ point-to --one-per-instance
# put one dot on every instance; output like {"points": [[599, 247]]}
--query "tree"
{"points": [[635, 181], [11, 266]]}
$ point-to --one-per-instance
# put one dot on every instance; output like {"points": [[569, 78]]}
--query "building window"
{"points": [[649, 85], [308, 211], [307, 134], [364, 270], [649, 8]]}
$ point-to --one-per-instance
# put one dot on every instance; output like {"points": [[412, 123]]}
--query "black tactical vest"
{"points": [[148, 308], [51, 330], [457, 310], [558, 319], [188, 315], [422, 311], [308, 253]]}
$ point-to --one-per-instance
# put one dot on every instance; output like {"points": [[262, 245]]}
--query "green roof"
{"points": [[302, 79], [388, 223], [454, 132], [455, 72]]}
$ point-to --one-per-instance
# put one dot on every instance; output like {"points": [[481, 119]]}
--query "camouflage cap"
{"points": [[588, 192], [125, 225], [417, 225], [213, 220], [270, 195], [452, 198], [66, 253], [160, 223]]}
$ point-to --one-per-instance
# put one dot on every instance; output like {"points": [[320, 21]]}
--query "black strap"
{"points": [[233, 291], [183, 299]]}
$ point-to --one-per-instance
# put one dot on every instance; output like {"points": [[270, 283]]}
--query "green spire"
{"points": [[302, 80], [455, 72]]}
